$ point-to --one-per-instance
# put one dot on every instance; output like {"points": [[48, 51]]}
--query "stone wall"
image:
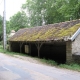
{"points": [[76, 49], [68, 52]]}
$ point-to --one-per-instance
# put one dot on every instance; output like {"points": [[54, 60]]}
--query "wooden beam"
{"points": [[29, 48], [10, 48], [21, 46], [38, 45]]}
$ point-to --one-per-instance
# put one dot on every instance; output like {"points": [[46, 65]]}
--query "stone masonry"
{"points": [[68, 52], [76, 49]]}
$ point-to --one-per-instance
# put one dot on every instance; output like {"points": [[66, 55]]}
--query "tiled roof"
{"points": [[48, 32]]}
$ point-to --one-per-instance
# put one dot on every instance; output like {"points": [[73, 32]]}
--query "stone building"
{"points": [[59, 41]]}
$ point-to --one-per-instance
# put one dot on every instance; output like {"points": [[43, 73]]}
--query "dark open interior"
{"points": [[15, 46], [53, 51], [56, 52]]}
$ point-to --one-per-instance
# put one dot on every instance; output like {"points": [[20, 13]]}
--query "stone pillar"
{"points": [[68, 52]]}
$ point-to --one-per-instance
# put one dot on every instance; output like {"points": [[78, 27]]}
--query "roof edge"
{"points": [[75, 35]]}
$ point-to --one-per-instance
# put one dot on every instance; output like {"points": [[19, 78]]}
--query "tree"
{"points": [[18, 20], [42, 11], [1, 27], [51, 11], [8, 27], [71, 9]]}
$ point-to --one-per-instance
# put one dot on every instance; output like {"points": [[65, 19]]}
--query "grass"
{"points": [[72, 66], [49, 62], [9, 52]]}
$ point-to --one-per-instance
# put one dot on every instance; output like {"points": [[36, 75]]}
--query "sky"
{"points": [[12, 7]]}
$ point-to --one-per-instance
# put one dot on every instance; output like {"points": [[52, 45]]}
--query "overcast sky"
{"points": [[12, 7]]}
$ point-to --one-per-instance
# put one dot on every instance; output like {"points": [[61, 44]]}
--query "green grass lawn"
{"points": [[72, 66]]}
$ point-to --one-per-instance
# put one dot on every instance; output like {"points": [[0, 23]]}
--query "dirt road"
{"points": [[12, 68]]}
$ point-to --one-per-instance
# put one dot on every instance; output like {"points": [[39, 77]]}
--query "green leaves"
{"points": [[18, 20], [1, 27], [51, 11]]}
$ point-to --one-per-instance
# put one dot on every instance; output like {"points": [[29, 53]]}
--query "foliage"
{"points": [[40, 11], [7, 27], [49, 62], [1, 27], [50, 11], [18, 21], [10, 53], [72, 66]]}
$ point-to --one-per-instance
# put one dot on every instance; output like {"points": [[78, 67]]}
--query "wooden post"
{"points": [[30, 49], [38, 45], [21, 46], [10, 46]]}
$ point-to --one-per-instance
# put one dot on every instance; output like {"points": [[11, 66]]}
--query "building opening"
{"points": [[56, 52]]}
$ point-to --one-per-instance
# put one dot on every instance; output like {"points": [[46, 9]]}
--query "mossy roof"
{"points": [[48, 32]]}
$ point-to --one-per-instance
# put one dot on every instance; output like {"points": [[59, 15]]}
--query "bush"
{"points": [[50, 62], [1, 42], [73, 66]]}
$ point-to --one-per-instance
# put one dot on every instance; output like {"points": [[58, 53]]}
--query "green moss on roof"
{"points": [[49, 32], [68, 32]]}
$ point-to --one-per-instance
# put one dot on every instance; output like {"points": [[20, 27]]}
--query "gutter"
{"points": [[75, 35]]}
